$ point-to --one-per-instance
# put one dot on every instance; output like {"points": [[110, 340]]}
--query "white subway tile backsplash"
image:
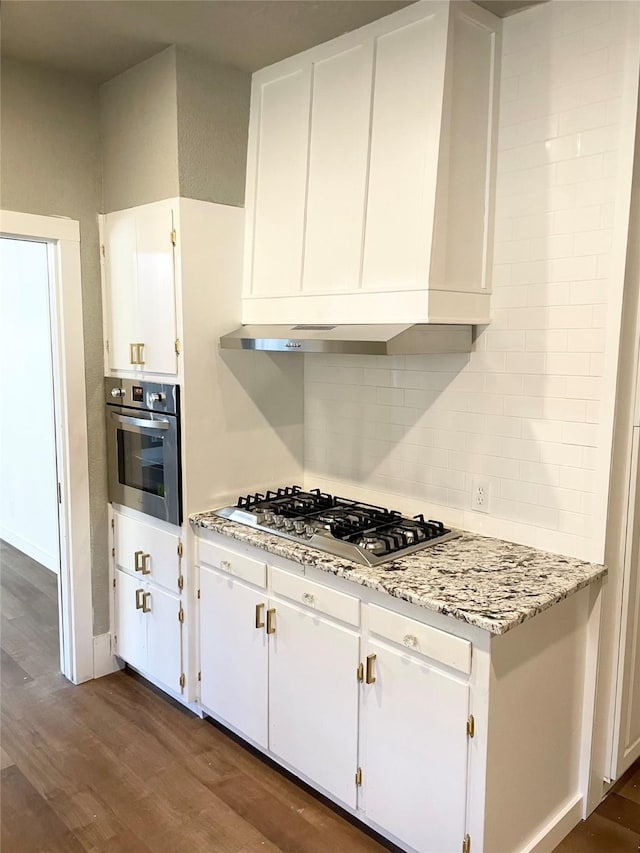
{"points": [[582, 118], [523, 410]]}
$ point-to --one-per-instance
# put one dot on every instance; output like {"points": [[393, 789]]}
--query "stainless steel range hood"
{"points": [[411, 339]]}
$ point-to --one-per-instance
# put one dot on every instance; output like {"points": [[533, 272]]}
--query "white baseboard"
{"points": [[104, 663], [560, 825], [45, 559]]}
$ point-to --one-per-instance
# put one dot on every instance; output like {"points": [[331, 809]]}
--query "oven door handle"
{"points": [[156, 423]]}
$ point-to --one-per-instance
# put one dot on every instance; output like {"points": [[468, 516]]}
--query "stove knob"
{"points": [[278, 520], [309, 529], [118, 392], [288, 524], [299, 526], [268, 518], [157, 398]]}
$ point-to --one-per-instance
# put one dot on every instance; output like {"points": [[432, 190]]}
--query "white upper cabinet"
{"points": [[140, 292], [370, 173]]}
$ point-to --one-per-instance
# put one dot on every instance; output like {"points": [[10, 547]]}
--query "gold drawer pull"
{"points": [[139, 592], [259, 619], [410, 641], [136, 560], [132, 357], [370, 679], [271, 613], [225, 564], [146, 596], [140, 349], [143, 564], [308, 598]]}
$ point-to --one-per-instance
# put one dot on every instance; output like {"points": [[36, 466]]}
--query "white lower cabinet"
{"points": [[414, 750], [313, 698], [233, 653], [131, 625], [149, 629], [376, 716]]}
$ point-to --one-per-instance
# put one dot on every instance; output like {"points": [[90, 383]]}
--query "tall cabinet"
{"points": [[172, 274]]}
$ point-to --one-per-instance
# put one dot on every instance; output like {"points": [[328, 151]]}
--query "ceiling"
{"points": [[97, 39]]}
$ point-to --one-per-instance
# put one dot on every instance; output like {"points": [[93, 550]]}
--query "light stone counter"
{"points": [[486, 582]]}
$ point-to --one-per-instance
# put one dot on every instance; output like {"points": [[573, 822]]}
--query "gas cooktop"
{"points": [[363, 533]]}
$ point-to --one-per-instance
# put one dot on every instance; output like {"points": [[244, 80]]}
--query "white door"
{"points": [[130, 622], [414, 751], [120, 271], [161, 610], [156, 293], [313, 698], [28, 469], [233, 653], [338, 154]]}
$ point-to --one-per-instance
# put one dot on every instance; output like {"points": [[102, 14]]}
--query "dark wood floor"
{"points": [[113, 766]]}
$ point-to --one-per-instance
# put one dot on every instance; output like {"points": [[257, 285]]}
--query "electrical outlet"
{"points": [[480, 494]]}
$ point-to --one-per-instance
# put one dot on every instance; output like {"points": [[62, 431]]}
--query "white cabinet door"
{"points": [[405, 136], [313, 698], [146, 551], [156, 303], [233, 653], [338, 151], [120, 282], [140, 289], [414, 751], [280, 180], [164, 636], [130, 624]]}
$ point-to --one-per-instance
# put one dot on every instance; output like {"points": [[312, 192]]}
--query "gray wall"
{"points": [[139, 134], [213, 125], [50, 164]]}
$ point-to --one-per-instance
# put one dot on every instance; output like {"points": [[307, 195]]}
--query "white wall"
{"points": [[523, 411], [28, 480]]}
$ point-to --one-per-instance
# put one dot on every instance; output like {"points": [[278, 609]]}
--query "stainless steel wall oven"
{"points": [[143, 447]]}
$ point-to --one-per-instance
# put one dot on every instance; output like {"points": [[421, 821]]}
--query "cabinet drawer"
{"points": [[317, 597], [147, 552], [237, 564], [438, 645]]}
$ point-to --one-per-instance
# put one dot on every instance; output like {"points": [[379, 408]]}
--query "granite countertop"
{"points": [[486, 582]]}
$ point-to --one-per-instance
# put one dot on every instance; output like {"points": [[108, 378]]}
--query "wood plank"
{"points": [[29, 824], [5, 759], [13, 675], [621, 811], [599, 835], [629, 785]]}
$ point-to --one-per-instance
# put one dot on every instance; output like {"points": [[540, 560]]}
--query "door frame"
{"points": [[75, 611]]}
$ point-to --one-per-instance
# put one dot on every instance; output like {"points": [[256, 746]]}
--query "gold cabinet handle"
{"points": [[145, 597], [259, 619], [139, 601], [136, 560], [140, 350], [370, 679], [308, 598], [271, 613], [225, 564], [410, 641], [143, 564], [132, 357]]}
